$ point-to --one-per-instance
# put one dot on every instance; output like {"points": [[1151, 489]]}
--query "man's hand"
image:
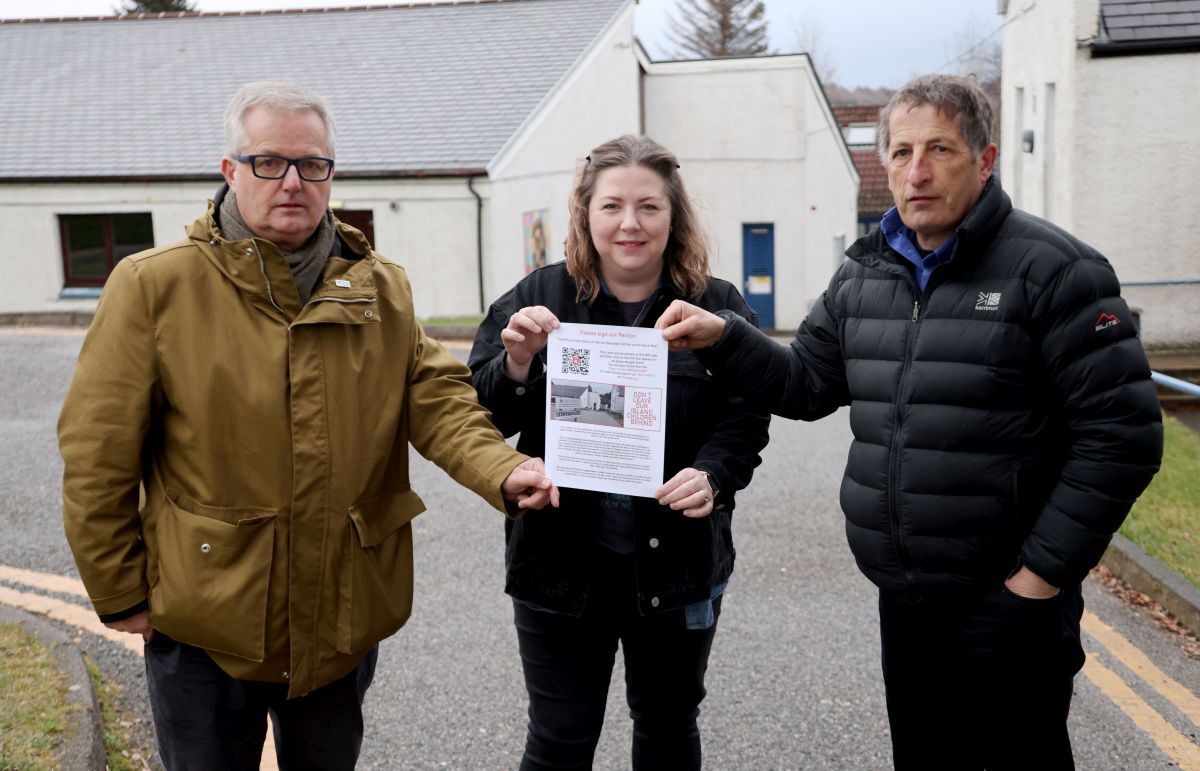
{"points": [[1025, 583], [529, 486], [138, 624], [685, 327], [687, 491], [524, 336]]}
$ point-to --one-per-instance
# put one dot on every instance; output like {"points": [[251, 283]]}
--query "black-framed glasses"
{"points": [[311, 168]]}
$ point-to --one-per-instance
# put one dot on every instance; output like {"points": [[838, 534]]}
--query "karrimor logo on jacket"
{"points": [[1106, 320], [988, 301]]}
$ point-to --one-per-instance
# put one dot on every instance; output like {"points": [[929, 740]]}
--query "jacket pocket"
{"points": [[375, 576], [214, 566]]}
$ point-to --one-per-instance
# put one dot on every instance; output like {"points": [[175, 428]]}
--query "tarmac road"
{"points": [[794, 677]]}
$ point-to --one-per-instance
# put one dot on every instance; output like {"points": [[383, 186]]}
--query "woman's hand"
{"points": [[524, 336], [687, 491]]}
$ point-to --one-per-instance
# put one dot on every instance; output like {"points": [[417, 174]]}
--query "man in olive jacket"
{"points": [[261, 380], [1004, 422]]}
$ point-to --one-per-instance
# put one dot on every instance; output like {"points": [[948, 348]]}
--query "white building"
{"points": [[460, 127], [1100, 108]]}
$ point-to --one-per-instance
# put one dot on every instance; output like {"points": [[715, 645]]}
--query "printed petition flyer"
{"points": [[605, 402]]}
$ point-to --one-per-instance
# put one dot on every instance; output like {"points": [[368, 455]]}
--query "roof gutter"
{"points": [[1175, 46], [478, 240], [146, 178]]}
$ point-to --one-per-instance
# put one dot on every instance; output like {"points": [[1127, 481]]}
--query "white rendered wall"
{"points": [[31, 264], [1124, 168], [831, 207], [756, 147], [598, 101], [431, 232]]}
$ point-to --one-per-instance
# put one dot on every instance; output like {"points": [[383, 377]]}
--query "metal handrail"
{"points": [[1175, 383]]}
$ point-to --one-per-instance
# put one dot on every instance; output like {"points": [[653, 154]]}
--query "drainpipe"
{"points": [[478, 240]]}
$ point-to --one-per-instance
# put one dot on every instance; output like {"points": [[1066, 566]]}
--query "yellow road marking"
{"points": [[88, 621], [44, 331], [1179, 748], [1130, 656], [69, 613], [48, 582]]}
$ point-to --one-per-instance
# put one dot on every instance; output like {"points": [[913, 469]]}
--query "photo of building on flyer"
{"points": [[599, 404]]}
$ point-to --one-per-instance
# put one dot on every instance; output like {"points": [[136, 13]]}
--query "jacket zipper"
{"points": [[262, 268], [894, 464], [342, 300]]}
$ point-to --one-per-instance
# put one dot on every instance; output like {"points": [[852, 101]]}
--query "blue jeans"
{"points": [[568, 663]]}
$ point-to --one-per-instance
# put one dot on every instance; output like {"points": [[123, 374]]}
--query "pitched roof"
{"points": [[1141, 26], [415, 89], [848, 114], [874, 198], [566, 391]]}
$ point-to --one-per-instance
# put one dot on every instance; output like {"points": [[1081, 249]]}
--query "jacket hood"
{"points": [[257, 266]]}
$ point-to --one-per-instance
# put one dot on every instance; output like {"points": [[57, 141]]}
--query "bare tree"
{"points": [[710, 29], [809, 38], [976, 50], [155, 6]]}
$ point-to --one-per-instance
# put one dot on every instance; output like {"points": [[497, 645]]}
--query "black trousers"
{"points": [[981, 681], [206, 719], [568, 663]]}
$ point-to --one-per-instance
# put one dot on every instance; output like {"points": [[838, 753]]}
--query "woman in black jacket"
{"points": [[605, 567]]}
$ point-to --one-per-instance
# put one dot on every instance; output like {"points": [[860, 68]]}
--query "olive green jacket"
{"points": [[272, 443]]}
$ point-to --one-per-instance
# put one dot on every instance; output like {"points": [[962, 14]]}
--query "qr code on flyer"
{"points": [[576, 361]]}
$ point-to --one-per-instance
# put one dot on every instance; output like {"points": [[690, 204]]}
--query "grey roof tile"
{"points": [[413, 88], [1142, 20]]}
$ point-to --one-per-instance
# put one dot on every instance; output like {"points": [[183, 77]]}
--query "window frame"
{"points": [[106, 218]]}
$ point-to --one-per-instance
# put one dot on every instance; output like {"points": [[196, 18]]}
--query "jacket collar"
{"points": [[258, 269], [975, 231]]}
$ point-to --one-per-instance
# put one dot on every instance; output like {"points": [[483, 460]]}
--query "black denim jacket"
{"points": [[678, 559]]}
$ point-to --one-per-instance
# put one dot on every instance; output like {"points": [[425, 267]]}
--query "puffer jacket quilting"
{"points": [[1005, 415]]}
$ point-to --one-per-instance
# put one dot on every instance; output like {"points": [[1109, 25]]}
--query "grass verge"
{"points": [[116, 751], [33, 703], [1165, 521], [465, 321]]}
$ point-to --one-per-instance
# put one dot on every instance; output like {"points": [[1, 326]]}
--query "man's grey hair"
{"points": [[275, 96], [956, 96]]}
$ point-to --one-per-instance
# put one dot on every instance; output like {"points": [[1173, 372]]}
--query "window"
{"points": [[859, 134], [93, 244]]}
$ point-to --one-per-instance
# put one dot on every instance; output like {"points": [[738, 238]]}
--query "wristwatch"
{"points": [[712, 484]]}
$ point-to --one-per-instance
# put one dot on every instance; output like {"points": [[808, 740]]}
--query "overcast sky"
{"points": [[864, 42]]}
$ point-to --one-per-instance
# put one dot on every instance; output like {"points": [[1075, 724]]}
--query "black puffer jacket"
{"points": [[679, 560], [1004, 415]]}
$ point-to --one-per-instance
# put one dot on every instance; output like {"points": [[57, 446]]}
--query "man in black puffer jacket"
{"points": [[1004, 422]]}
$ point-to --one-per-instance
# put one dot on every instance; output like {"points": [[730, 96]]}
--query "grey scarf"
{"points": [[307, 262]]}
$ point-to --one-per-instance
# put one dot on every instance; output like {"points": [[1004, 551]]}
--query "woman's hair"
{"points": [[686, 254]]}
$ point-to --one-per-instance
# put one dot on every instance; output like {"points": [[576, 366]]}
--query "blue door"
{"points": [[758, 265]]}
